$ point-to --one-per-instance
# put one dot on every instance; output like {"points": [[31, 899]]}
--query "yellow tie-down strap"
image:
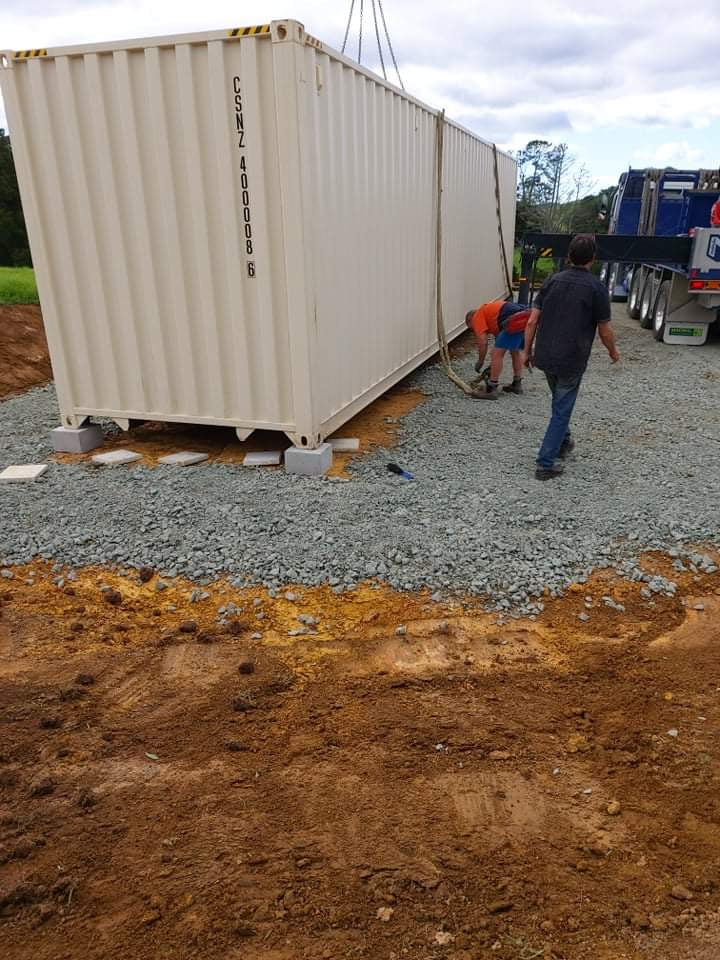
{"points": [[249, 31], [27, 54]]}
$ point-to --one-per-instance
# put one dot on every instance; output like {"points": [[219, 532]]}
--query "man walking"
{"points": [[570, 307]]}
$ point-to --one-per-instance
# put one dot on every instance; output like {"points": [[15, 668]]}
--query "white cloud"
{"points": [[677, 153], [508, 71]]}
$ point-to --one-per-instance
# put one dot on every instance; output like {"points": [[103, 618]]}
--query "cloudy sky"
{"points": [[620, 83]]}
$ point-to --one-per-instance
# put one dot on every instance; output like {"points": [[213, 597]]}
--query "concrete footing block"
{"points": [[76, 439], [309, 463]]}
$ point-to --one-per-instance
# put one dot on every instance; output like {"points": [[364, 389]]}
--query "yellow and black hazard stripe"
{"points": [[545, 252], [28, 54], [249, 31]]}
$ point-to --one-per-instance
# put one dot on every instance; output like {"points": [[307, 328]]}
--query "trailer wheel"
{"points": [[662, 302], [635, 295], [613, 281], [647, 303]]}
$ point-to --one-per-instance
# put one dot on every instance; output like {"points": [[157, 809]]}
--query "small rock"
{"points": [[290, 596], [443, 627], [384, 913], [246, 667], [7, 574], [443, 938], [234, 746], [400, 631], [679, 892], [85, 679], [113, 597], [672, 732], [499, 755], [613, 808], [587, 791], [160, 585], [204, 637], [584, 617], [152, 916], [146, 574], [41, 786], [242, 702], [86, 799], [500, 906], [188, 626], [50, 723], [256, 636], [699, 606]]}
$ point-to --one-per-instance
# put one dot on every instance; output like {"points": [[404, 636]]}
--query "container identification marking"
{"points": [[244, 183]]}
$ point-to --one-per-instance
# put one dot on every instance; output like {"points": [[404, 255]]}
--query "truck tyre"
{"points": [[635, 294], [647, 303], [660, 311]]}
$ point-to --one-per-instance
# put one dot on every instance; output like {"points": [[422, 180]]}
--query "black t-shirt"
{"points": [[572, 304]]}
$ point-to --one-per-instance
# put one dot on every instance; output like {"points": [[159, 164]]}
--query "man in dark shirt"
{"points": [[569, 309]]}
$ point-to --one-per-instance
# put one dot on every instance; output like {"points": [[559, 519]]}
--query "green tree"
{"points": [[14, 246]]}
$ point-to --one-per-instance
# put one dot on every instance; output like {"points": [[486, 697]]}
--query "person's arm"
{"points": [[607, 336], [530, 331], [601, 316]]}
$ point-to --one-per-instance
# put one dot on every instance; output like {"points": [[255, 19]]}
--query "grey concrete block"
{"points": [[263, 458], [309, 463], [20, 474], [115, 458], [344, 444], [76, 439], [186, 458]]}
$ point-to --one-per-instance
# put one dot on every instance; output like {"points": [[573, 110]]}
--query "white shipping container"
{"points": [[238, 227]]}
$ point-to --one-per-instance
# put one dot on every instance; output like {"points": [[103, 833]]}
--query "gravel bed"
{"points": [[645, 475]]}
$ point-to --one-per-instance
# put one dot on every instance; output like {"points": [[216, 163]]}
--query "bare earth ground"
{"points": [[24, 361], [442, 793]]}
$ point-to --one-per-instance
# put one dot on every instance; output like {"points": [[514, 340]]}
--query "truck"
{"points": [[677, 301]]}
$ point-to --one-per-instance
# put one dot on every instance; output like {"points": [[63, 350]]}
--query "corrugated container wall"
{"points": [[239, 228]]}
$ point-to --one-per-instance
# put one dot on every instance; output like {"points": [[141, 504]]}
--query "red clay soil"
{"points": [[461, 789], [24, 360]]}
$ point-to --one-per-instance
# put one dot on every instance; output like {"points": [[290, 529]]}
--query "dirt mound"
{"points": [[24, 359], [398, 779]]}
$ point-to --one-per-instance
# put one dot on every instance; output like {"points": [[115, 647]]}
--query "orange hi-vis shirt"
{"points": [[485, 318], [715, 214]]}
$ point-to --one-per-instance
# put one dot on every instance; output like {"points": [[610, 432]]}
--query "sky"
{"points": [[622, 84]]}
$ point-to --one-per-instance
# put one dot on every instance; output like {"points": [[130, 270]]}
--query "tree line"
{"points": [[14, 246], [554, 192]]}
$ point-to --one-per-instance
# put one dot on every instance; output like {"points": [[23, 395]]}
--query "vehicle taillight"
{"points": [[697, 284]]}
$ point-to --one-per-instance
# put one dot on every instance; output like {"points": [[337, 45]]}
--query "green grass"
{"points": [[17, 285], [543, 268]]}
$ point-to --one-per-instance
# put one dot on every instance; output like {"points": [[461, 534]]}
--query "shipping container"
{"points": [[239, 227]]}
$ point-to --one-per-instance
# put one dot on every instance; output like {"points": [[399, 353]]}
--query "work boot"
{"points": [[489, 393], [566, 449], [549, 473], [514, 387]]}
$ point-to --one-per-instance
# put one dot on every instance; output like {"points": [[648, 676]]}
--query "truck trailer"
{"points": [[677, 301]]}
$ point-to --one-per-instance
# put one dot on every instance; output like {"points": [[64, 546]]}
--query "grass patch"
{"points": [[543, 268], [17, 285]]}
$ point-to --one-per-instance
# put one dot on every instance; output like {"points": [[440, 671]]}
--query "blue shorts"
{"points": [[510, 341]]}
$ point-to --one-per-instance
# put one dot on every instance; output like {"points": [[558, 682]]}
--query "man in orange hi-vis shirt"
{"points": [[506, 321]]}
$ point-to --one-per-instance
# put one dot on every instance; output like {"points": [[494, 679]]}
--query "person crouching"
{"points": [[507, 323]]}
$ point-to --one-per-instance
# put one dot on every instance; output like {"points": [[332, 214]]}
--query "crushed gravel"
{"points": [[645, 476]]}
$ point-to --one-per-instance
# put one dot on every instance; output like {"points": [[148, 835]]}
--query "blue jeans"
{"points": [[564, 394]]}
